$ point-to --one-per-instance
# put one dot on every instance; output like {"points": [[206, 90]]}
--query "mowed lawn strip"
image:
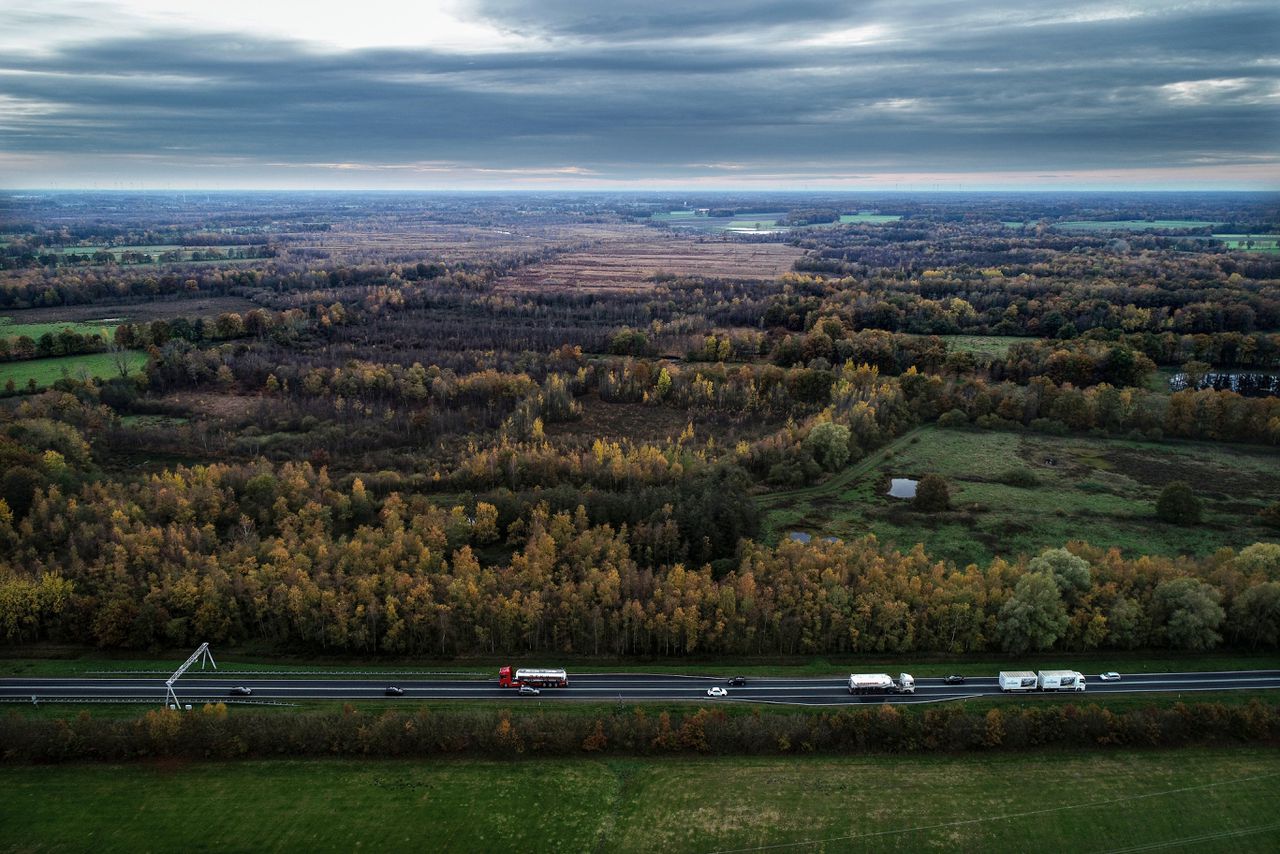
{"points": [[1208, 799]]}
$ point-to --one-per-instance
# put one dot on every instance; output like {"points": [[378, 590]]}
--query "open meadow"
{"points": [[11, 329], [1195, 799], [1015, 493], [48, 371]]}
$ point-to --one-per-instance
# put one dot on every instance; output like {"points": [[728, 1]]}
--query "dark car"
{"points": [[738, 681], [954, 679], [241, 691], [393, 691]]}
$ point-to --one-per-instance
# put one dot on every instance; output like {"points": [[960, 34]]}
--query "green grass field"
{"points": [[1250, 242], [1120, 224], [1101, 490], [1195, 799], [48, 371], [874, 219], [1133, 225], [993, 346], [9, 329], [758, 221], [753, 223], [155, 251]]}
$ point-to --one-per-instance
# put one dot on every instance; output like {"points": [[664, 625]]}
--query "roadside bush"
{"points": [[213, 733]]}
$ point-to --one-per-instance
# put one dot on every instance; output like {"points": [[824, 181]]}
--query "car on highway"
{"points": [[1109, 676], [393, 691], [954, 679], [738, 681], [241, 691], [529, 691], [717, 691]]}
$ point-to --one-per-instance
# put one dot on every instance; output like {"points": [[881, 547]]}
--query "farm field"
{"points": [[1120, 224], [874, 219], [631, 263], [10, 329], [758, 221], [184, 252], [48, 371], [1250, 242], [58, 317], [1099, 490], [1210, 799]]}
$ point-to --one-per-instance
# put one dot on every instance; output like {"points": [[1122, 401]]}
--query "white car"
{"points": [[1109, 676], [717, 691]]}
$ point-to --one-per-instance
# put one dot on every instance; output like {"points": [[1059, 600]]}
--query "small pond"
{"points": [[901, 487], [1246, 383]]}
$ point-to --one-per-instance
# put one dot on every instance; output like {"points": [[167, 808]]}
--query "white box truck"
{"points": [[881, 683], [1018, 680], [1060, 680]]}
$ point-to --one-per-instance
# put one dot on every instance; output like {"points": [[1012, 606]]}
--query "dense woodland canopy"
{"points": [[385, 448]]}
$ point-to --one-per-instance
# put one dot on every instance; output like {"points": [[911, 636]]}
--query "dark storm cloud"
{"points": [[758, 87]]}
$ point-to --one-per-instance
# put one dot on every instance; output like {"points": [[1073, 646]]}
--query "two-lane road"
{"points": [[629, 688]]}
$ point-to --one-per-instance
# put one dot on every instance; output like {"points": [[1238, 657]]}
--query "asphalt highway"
{"points": [[629, 688]]}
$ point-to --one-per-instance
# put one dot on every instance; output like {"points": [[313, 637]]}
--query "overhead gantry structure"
{"points": [[201, 655]]}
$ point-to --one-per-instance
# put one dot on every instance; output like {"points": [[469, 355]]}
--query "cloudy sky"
{"points": [[819, 94]]}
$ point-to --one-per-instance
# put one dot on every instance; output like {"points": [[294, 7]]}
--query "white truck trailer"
{"points": [[881, 683], [1018, 680], [1060, 680]]}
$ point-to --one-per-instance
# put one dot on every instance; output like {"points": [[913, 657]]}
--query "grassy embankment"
{"points": [[1102, 490], [1195, 799]]}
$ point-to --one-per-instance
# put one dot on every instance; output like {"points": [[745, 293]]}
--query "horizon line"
{"points": [[636, 191]]}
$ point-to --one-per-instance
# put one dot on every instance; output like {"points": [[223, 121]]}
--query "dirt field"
{"points": [[431, 241], [628, 259], [230, 406], [134, 312]]}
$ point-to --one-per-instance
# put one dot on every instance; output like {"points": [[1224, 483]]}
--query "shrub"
{"points": [[932, 495], [1023, 477], [1178, 505]]}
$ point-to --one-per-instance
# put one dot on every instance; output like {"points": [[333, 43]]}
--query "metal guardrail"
{"points": [[38, 700], [225, 672]]}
